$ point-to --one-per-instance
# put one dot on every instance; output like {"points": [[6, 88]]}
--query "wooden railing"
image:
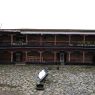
{"points": [[33, 59], [49, 43]]}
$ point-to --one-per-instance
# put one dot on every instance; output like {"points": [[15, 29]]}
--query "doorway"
{"points": [[93, 59], [18, 57], [62, 57]]}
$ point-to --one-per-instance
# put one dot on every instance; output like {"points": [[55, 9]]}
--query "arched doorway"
{"points": [[48, 56], [62, 57], [90, 57], [33, 56], [18, 56], [76, 57], [5, 56]]}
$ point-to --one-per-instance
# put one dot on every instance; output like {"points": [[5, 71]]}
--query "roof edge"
{"points": [[51, 30]]}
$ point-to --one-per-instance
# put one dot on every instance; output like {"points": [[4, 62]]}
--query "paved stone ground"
{"points": [[68, 80]]}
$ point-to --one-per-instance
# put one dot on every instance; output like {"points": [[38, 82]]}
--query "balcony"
{"points": [[18, 44], [81, 43], [47, 40], [33, 59], [4, 44], [48, 44]]}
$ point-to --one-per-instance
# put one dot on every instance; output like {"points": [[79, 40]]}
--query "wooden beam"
{"points": [[26, 39], [84, 39], [69, 39], [11, 56], [40, 56], [26, 56], [40, 39], [54, 39], [69, 56], [11, 39], [54, 56], [83, 56]]}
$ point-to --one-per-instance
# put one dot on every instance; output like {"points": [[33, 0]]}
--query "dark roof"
{"points": [[46, 30]]}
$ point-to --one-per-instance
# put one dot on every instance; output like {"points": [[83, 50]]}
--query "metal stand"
{"points": [[40, 86]]}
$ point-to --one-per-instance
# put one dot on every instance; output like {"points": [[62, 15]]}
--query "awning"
{"points": [[67, 33]]}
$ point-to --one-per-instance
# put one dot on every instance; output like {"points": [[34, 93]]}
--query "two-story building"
{"points": [[47, 46]]}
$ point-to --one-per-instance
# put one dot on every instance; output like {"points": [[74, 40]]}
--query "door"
{"points": [[17, 57], [93, 60], [62, 57]]}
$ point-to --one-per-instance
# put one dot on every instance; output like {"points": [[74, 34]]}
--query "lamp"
{"points": [[41, 76]]}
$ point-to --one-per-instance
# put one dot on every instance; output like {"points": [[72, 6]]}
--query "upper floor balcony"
{"points": [[46, 40]]}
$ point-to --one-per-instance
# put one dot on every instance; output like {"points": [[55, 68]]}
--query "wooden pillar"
{"points": [[84, 39], [69, 39], [26, 39], [55, 56], [26, 56], [83, 56], [40, 56], [11, 39], [69, 56], [54, 39], [11, 56], [41, 39]]}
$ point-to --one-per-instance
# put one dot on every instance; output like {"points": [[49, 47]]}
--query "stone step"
{"points": [[20, 63]]}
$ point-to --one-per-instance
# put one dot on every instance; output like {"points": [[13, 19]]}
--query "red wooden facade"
{"points": [[47, 46]]}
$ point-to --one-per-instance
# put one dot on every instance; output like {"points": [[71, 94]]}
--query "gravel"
{"points": [[68, 80]]}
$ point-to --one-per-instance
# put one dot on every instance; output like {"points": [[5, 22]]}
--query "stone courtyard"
{"points": [[68, 80]]}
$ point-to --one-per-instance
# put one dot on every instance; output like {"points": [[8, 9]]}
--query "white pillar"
{"points": [[11, 56]]}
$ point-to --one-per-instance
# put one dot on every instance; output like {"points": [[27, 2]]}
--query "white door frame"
{"points": [[62, 57]]}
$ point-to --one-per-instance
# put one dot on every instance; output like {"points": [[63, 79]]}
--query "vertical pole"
{"points": [[84, 39], [26, 56], [11, 39], [69, 56], [83, 56], [54, 39], [54, 56], [69, 39], [40, 56], [11, 56], [26, 39], [41, 39]]}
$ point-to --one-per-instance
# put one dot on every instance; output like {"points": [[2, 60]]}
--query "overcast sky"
{"points": [[64, 14]]}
